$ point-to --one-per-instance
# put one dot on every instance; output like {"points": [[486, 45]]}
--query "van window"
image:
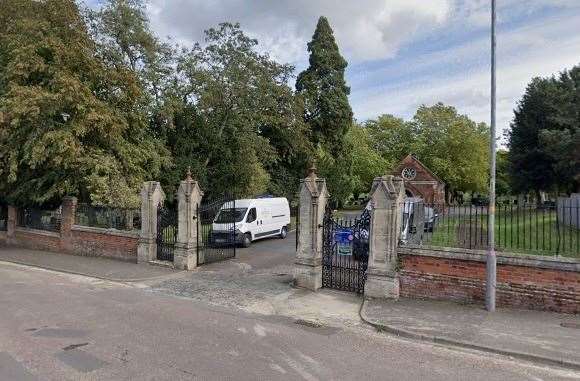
{"points": [[251, 215], [230, 215]]}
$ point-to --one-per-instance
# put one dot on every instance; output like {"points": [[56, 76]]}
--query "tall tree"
{"points": [[393, 138], [453, 146], [324, 89], [125, 40], [244, 120], [531, 168], [69, 124]]}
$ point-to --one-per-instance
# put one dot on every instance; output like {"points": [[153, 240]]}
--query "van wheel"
{"points": [[247, 240], [283, 232]]}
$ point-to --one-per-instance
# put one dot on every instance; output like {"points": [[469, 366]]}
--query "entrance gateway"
{"points": [[216, 245], [345, 252], [166, 232]]}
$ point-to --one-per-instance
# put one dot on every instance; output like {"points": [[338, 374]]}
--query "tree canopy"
{"points": [[544, 135], [70, 124], [324, 90], [93, 103], [453, 146]]}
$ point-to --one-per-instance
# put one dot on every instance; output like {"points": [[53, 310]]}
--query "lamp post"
{"points": [[491, 262]]}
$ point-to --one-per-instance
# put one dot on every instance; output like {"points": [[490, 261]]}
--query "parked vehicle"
{"points": [[248, 220], [410, 217], [480, 201]]}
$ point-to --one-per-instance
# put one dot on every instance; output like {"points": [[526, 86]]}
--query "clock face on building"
{"points": [[409, 173]]}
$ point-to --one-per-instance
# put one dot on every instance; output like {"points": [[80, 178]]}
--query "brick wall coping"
{"points": [[556, 263], [45, 233], [115, 232]]}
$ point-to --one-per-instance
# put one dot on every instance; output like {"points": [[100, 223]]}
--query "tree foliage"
{"points": [[70, 124], [324, 89], [454, 147], [545, 133], [240, 119]]}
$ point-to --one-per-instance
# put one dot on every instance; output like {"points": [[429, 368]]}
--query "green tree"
{"points": [[502, 184], [69, 124], [562, 143], [367, 162], [393, 138], [531, 168], [125, 40], [453, 146], [324, 89], [242, 121]]}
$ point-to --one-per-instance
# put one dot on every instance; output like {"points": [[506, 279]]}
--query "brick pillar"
{"points": [[386, 198], [151, 197], [11, 225], [67, 220], [188, 197], [308, 262]]}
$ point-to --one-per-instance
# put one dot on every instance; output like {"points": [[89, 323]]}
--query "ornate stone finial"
{"points": [[188, 174], [312, 171]]}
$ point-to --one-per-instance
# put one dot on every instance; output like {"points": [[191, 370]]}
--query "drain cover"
{"points": [[570, 325]]}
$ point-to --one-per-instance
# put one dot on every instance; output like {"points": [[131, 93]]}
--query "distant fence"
{"points": [[108, 217], [40, 219], [531, 229]]}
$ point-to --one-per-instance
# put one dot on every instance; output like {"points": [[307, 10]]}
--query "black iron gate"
{"points": [[345, 252], [295, 222], [166, 232], [217, 236]]}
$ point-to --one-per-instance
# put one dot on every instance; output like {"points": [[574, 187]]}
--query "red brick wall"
{"points": [[73, 239], [519, 286], [32, 239], [118, 246]]}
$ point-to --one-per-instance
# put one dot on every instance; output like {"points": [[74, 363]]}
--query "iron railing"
{"points": [[108, 217], [3, 217], [40, 219], [551, 229]]}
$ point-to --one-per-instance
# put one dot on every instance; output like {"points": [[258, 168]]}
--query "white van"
{"points": [[254, 218]]}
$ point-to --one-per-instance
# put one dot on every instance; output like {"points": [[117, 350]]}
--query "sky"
{"points": [[403, 53]]}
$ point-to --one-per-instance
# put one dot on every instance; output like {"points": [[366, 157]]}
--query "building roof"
{"points": [[413, 158]]}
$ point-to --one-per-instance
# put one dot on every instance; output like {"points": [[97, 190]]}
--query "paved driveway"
{"points": [[265, 253]]}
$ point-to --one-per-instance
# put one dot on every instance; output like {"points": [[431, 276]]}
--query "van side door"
{"points": [[252, 222]]}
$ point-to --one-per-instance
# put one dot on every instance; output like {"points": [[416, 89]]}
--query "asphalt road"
{"points": [[64, 327]]}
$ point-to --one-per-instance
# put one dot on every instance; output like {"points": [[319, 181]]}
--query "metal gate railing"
{"points": [[345, 252], [166, 232], [216, 226]]}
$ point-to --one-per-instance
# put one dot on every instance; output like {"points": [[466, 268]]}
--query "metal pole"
{"points": [[491, 258]]}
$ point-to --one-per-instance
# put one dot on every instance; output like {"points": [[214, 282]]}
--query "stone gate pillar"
{"points": [[151, 197], [11, 225], [189, 197], [386, 198], [68, 215], [308, 262]]}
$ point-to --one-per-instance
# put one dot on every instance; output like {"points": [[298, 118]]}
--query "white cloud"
{"points": [[539, 49], [365, 29]]}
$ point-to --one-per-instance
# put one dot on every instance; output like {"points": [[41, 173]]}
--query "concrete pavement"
{"points": [[65, 327], [96, 267], [543, 337], [258, 281]]}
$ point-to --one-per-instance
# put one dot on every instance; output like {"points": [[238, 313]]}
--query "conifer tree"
{"points": [[324, 89]]}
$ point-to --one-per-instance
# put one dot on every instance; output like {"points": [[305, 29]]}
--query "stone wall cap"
{"points": [[37, 231], [106, 231], [557, 263]]}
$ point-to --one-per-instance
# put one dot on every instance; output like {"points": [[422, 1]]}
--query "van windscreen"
{"points": [[230, 215]]}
